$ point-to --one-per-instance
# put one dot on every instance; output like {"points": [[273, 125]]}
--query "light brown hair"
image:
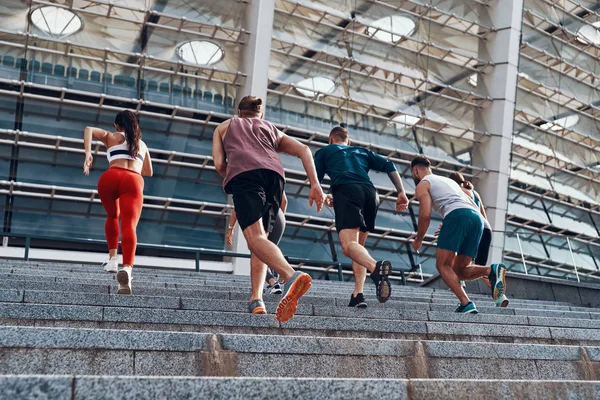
{"points": [[460, 179], [339, 134]]}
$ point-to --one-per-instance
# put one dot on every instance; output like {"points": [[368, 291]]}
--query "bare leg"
{"points": [[112, 253], [258, 272], [266, 251], [360, 272], [444, 264], [353, 249], [468, 272]]}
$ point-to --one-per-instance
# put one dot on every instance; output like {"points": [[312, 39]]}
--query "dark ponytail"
{"points": [[127, 121]]}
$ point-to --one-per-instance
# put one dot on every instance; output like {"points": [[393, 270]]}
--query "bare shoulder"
{"points": [[221, 129], [422, 188]]}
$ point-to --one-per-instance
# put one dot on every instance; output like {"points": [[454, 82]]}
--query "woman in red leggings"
{"points": [[121, 188]]}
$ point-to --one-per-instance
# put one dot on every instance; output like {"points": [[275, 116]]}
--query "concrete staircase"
{"points": [[65, 334]]}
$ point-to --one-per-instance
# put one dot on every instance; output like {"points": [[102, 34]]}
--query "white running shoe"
{"points": [[124, 280], [111, 265]]}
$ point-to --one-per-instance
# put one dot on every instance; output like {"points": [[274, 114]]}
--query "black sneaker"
{"points": [[358, 301], [383, 288], [276, 289]]}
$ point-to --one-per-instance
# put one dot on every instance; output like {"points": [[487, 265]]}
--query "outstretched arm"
{"points": [[293, 147], [88, 134], [424, 197], [218, 151], [402, 200]]}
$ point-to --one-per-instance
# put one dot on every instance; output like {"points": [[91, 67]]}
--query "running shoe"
{"points": [[275, 289], [380, 275], [294, 288], [468, 308], [111, 265], [497, 278], [502, 302], [124, 280], [358, 301], [257, 307]]}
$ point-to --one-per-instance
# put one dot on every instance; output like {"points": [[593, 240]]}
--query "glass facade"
{"points": [[405, 77]]}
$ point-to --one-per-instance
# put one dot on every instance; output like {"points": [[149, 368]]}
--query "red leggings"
{"points": [[122, 194]]}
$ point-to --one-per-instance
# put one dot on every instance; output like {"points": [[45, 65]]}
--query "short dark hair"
{"points": [[339, 133], [420, 160]]}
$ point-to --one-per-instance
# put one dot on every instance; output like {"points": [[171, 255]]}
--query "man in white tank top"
{"points": [[462, 227]]}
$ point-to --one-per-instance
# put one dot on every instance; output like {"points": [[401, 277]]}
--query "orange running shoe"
{"points": [[295, 288]]}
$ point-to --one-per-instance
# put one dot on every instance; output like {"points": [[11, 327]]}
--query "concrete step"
{"points": [[431, 326], [314, 296], [208, 281], [309, 305], [69, 387], [94, 352]]}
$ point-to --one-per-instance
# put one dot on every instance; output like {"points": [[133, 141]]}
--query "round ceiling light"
{"points": [[406, 120], [561, 123], [589, 33], [392, 28], [200, 52], [311, 86], [56, 21]]}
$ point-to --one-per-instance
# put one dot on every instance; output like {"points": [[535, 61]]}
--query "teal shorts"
{"points": [[461, 232]]}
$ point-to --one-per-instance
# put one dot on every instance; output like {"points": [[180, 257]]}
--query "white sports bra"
{"points": [[121, 152]]}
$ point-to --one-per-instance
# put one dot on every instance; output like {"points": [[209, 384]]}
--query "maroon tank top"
{"points": [[251, 143]]}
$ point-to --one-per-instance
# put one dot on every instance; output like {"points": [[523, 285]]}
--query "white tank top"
{"points": [[447, 196], [121, 152]]}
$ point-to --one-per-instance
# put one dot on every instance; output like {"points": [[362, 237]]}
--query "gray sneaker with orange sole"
{"points": [[294, 288]]}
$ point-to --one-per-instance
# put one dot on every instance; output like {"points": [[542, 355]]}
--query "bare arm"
{"points": [[422, 194], [284, 202], [218, 151], [293, 147], [402, 200], [147, 167], [229, 234], [90, 133], [481, 207]]}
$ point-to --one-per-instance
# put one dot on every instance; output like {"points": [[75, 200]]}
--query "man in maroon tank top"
{"points": [[245, 152]]}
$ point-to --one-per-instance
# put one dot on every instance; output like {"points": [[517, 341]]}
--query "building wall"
{"points": [[399, 90]]}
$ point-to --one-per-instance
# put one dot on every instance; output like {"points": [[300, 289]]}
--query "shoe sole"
{"points": [[124, 284], [384, 288], [504, 303], [259, 311], [361, 305], [500, 286], [287, 307], [277, 292]]}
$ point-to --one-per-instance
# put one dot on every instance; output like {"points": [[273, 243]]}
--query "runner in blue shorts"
{"points": [[462, 228]]}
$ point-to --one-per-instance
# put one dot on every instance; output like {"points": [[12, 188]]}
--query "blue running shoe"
{"points": [[468, 308], [497, 278], [502, 302]]}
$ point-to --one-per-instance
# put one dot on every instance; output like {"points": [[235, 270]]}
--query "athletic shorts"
{"points": [[278, 227], [461, 232], [355, 206], [483, 251], [256, 194]]}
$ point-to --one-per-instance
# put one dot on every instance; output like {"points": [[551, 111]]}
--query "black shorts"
{"points": [[256, 194], [355, 206], [483, 251]]}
